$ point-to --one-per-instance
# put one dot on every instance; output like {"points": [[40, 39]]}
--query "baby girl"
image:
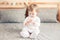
{"points": [[31, 23]]}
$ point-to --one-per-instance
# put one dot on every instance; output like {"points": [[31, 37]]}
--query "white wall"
{"points": [[14, 0], [45, 0], [32, 0]]}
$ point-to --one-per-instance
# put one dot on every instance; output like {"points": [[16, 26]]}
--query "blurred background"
{"points": [[14, 10], [12, 15]]}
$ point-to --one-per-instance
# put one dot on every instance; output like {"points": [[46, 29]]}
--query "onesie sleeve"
{"points": [[37, 22], [25, 21]]}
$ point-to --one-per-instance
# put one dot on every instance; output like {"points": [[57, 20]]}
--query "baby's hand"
{"points": [[26, 24], [29, 21], [33, 23]]}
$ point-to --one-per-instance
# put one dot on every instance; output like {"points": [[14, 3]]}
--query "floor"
{"points": [[48, 31]]}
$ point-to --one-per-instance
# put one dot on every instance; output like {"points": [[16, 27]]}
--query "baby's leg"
{"points": [[24, 33], [35, 33]]}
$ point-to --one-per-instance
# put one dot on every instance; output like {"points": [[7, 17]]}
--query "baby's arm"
{"points": [[27, 21], [36, 22]]}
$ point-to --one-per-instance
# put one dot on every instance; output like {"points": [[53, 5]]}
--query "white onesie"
{"points": [[31, 28]]}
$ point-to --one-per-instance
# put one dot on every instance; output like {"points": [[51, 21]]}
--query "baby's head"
{"points": [[32, 10], [32, 14]]}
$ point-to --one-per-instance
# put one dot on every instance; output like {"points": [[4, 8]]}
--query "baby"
{"points": [[31, 24]]}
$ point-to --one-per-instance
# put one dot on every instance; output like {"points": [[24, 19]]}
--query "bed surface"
{"points": [[48, 31]]}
